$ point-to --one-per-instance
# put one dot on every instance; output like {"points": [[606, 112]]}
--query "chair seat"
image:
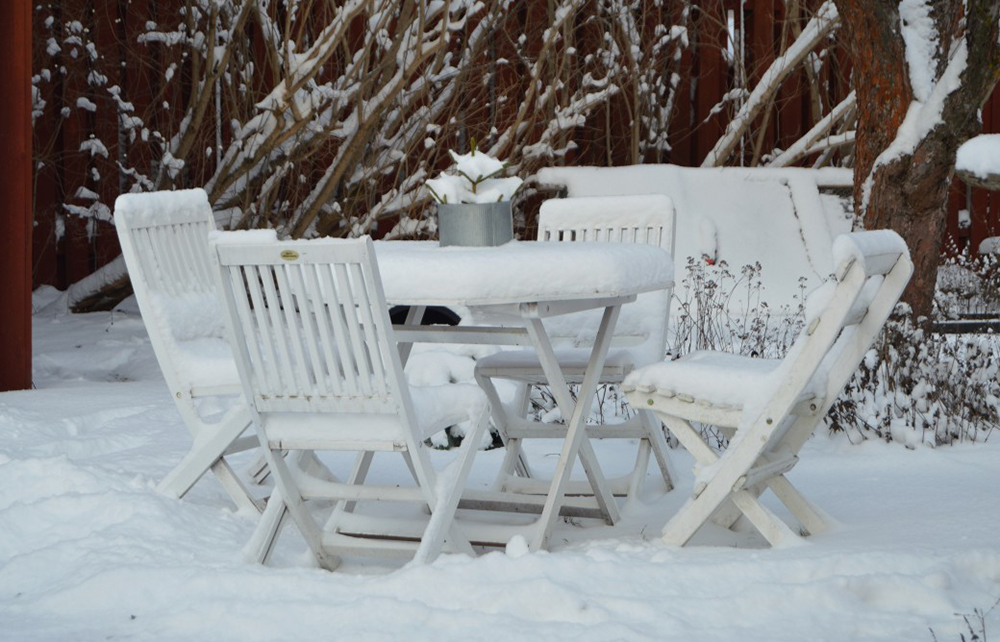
{"points": [[719, 379], [435, 407], [524, 365]]}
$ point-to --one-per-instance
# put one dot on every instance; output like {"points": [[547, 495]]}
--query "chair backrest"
{"points": [[648, 219], [843, 319], [310, 326], [164, 240], [645, 219], [164, 236]]}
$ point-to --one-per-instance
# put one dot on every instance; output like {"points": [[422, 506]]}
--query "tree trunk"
{"points": [[906, 187]]}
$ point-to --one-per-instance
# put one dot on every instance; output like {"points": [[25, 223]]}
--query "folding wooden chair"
{"points": [[321, 368], [164, 240], [639, 339], [768, 408]]}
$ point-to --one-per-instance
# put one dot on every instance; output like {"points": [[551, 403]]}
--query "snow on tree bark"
{"points": [[912, 117]]}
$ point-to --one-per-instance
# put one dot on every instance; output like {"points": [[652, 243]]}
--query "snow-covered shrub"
{"points": [[916, 386], [967, 285], [723, 311]]}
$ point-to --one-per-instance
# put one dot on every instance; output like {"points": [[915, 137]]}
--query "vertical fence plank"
{"points": [[15, 194], [712, 74]]}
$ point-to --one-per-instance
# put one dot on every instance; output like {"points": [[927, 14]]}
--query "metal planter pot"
{"points": [[475, 224]]}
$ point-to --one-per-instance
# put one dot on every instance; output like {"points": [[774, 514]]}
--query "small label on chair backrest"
{"points": [[289, 255]]}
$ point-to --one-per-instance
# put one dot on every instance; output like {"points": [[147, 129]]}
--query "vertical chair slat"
{"points": [[165, 241], [279, 334], [238, 280], [185, 266], [182, 234], [375, 357], [353, 323], [335, 304], [193, 241], [326, 332], [148, 254], [295, 345], [308, 304], [270, 361]]}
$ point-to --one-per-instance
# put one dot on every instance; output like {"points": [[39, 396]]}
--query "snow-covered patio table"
{"points": [[511, 289]]}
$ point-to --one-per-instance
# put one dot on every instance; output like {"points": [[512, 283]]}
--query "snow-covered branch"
{"points": [[818, 28]]}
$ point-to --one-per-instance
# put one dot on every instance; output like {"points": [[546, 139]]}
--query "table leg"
{"points": [[576, 438], [413, 317]]}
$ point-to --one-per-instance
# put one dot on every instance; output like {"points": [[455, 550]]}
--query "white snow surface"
{"points": [[153, 207], [90, 551], [921, 38], [980, 155]]}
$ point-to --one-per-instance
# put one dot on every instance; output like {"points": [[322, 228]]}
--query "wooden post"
{"points": [[15, 194]]}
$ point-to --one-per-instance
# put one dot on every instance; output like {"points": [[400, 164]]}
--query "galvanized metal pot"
{"points": [[475, 224]]}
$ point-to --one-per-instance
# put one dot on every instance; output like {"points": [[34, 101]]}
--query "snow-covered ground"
{"points": [[89, 551]]}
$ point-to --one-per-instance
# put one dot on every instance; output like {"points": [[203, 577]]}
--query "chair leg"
{"points": [[409, 465], [658, 444], [296, 508], [207, 450], [258, 550], [522, 399], [442, 525], [638, 477], [362, 464], [809, 516], [775, 531], [235, 487], [513, 458]]}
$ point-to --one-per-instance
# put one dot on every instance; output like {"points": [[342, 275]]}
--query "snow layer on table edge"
{"points": [[562, 271]]}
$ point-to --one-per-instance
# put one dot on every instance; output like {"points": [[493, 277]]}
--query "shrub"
{"points": [[917, 386]]}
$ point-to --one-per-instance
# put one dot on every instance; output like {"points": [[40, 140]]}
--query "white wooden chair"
{"points": [[639, 339], [768, 408], [321, 368], [164, 240]]}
